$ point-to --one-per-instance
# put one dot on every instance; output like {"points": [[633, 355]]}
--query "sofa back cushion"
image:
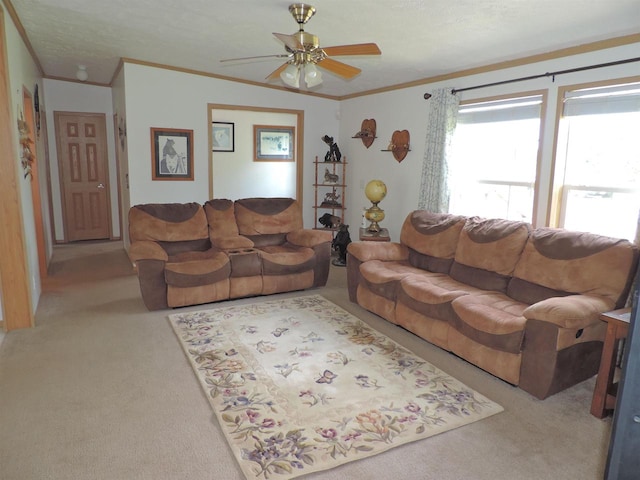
{"points": [[487, 253], [267, 216], [561, 262], [432, 239]]}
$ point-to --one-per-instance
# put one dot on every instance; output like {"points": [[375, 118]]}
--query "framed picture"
{"points": [[171, 154], [222, 136], [273, 143]]}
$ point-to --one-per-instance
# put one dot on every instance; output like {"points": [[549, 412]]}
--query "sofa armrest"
{"points": [[385, 251], [147, 250], [573, 311], [306, 237]]}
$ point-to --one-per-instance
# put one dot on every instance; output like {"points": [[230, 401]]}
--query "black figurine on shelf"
{"points": [[340, 244], [333, 155]]}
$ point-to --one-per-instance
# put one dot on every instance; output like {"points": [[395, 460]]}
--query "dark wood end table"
{"points": [[604, 394], [381, 236]]}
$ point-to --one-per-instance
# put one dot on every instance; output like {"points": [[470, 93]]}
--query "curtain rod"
{"points": [[542, 75]]}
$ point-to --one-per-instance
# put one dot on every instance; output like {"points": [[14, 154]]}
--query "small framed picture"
{"points": [[222, 136], [273, 143], [171, 154]]}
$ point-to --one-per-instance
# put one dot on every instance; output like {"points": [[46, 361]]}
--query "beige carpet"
{"points": [[300, 385], [101, 389]]}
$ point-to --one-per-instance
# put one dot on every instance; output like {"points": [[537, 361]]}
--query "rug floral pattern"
{"points": [[300, 385]]}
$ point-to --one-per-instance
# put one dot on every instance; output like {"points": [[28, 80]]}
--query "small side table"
{"points": [[381, 236], [604, 395]]}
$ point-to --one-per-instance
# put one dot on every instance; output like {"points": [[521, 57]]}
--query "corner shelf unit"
{"points": [[330, 196]]}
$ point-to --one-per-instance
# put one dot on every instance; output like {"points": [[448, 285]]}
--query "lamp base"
{"points": [[374, 214]]}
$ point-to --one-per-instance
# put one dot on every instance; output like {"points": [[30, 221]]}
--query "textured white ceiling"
{"points": [[418, 38]]}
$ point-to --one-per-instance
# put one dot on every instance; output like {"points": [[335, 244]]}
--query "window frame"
{"points": [[558, 194], [544, 94]]}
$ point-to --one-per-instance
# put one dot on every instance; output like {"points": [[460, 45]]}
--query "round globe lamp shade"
{"points": [[375, 191]]}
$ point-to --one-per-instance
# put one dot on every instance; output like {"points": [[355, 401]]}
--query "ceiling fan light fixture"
{"points": [[82, 74], [291, 75], [312, 76]]}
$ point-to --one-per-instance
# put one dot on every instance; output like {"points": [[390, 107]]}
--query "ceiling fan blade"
{"points": [[339, 68], [276, 73], [279, 55], [355, 49], [289, 40]]}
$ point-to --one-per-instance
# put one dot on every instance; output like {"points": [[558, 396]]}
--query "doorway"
{"points": [[81, 141]]}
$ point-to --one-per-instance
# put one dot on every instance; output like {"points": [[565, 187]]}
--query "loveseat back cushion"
{"points": [[560, 262], [221, 218], [487, 252], [168, 222], [432, 239], [267, 216]]}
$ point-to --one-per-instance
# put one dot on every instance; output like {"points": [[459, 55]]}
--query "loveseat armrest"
{"points": [[147, 250], [306, 237], [573, 311], [385, 251]]}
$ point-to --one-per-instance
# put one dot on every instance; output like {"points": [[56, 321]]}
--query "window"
{"points": [[599, 149], [494, 157]]}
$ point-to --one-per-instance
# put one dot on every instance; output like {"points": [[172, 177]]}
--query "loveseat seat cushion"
{"points": [[432, 239], [557, 262], [286, 259], [487, 252], [493, 320], [190, 269]]}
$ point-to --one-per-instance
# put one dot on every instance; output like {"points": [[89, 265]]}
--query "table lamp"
{"points": [[375, 191]]}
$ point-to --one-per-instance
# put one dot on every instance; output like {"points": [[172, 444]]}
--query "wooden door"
{"points": [[82, 164]]}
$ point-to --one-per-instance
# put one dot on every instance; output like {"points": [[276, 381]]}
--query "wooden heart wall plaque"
{"points": [[367, 132], [400, 144]]}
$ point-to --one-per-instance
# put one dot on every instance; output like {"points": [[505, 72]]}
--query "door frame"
{"points": [[15, 285], [56, 115]]}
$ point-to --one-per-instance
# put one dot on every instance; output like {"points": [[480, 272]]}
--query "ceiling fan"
{"points": [[304, 52]]}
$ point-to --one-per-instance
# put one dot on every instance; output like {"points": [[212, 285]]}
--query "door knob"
{"points": [[101, 185]]}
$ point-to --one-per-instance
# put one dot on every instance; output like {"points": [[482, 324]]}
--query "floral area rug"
{"points": [[300, 385]]}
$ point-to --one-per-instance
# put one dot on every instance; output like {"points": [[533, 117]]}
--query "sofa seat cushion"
{"points": [[491, 319], [432, 294], [383, 278], [192, 269], [286, 259]]}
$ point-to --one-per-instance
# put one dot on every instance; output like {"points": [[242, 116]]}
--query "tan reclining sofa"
{"points": [[520, 303], [190, 254]]}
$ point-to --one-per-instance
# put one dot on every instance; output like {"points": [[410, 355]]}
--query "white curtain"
{"points": [[434, 189]]}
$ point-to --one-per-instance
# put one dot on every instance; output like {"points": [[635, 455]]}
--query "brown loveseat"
{"points": [[520, 303], [189, 254]]}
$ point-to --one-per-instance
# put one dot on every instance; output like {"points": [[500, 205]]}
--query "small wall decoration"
{"points": [[222, 136], [26, 155], [367, 132], [399, 145], [273, 143], [122, 132], [36, 107], [333, 155], [171, 154]]}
